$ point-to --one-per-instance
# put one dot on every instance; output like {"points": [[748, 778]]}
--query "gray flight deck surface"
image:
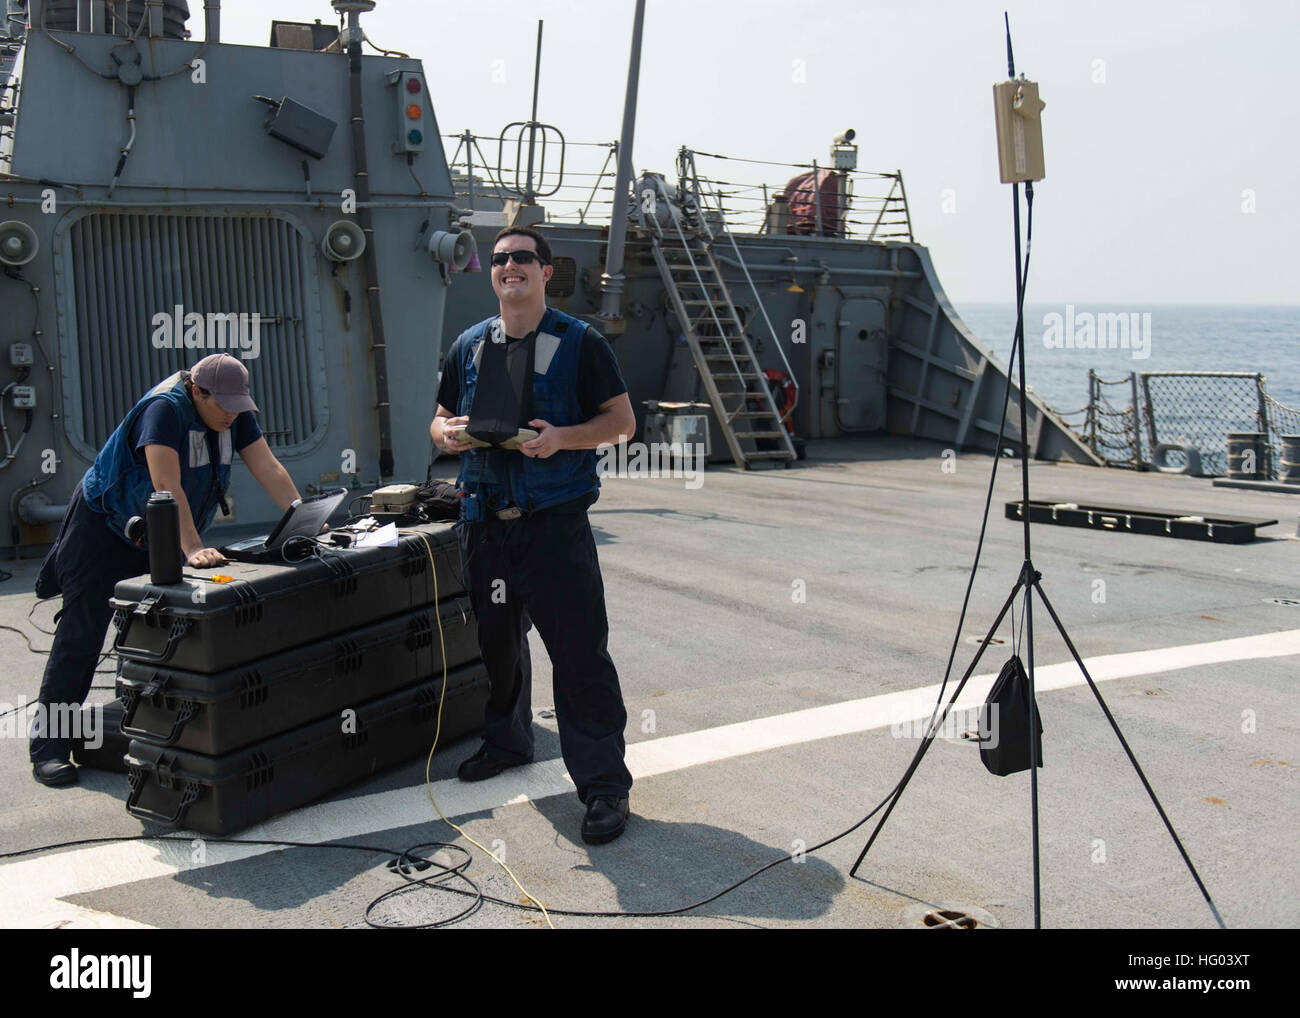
{"points": [[707, 630]]}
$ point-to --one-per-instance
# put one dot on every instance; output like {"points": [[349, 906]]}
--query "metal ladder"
{"points": [[722, 352]]}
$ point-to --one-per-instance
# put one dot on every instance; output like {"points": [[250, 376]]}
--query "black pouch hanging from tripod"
{"points": [[1004, 723]]}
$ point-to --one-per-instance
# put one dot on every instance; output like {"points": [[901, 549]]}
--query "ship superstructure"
{"points": [[293, 203]]}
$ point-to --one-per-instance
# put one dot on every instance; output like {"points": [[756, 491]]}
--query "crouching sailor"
{"points": [[180, 438]]}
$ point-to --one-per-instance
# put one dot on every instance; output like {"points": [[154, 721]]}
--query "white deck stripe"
{"points": [[32, 886]]}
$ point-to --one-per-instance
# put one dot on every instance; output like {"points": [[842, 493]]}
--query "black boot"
{"points": [[605, 820], [54, 773]]}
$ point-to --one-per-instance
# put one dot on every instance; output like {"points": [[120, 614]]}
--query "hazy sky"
{"points": [[1165, 122]]}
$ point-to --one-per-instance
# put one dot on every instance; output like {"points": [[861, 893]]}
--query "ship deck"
{"points": [[762, 723]]}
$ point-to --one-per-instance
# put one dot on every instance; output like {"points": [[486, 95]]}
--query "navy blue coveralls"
{"points": [[91, 555], [541, 569], [86, 563]]}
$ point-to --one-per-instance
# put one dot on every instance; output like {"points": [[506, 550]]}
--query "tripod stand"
{"points": [[1029, 582]]}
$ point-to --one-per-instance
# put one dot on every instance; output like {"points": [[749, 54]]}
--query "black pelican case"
{"points": [[201, 625], [214, 714], [220, 794]]}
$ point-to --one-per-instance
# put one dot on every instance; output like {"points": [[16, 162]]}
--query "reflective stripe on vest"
{"points": [[116, 486]]}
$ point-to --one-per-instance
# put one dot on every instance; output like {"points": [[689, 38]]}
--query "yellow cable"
{"points": [[428, 781]]}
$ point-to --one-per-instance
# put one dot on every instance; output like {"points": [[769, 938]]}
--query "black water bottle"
{"points": [[162, 520]]}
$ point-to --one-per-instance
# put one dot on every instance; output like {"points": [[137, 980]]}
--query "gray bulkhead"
{"points": [[213, 214], [880, 347]]}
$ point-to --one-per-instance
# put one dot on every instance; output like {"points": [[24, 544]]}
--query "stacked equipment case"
{"points": [[252, 689]]}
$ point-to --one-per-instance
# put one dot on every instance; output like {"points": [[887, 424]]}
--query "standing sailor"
{"points": [[525, 540], [179, 438]]}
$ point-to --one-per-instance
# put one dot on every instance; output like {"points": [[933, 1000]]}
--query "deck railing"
{"points": [[861, 205], [573, 180], [1128, 418], [577, 180]]}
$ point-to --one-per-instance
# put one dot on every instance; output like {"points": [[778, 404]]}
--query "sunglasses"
{"points": [[520, 257]]}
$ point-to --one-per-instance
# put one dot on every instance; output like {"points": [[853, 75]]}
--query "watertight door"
{"points": [[862, 348]]}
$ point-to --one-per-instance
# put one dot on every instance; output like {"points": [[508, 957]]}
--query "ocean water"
{"points": [[1180, 338]]}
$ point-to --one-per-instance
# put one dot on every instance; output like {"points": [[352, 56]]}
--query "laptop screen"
{"points": [[306, 518]]}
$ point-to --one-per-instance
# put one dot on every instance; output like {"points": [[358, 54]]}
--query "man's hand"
{"points": [[614, 422], [165, 473], [205, 558], [453, 442], [549, 440]]}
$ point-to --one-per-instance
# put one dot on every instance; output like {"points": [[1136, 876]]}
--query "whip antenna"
{"points": [[1011, 60]]}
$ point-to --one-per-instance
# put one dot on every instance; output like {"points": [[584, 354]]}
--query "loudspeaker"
{"points": [[343, 241], [18, 243], [454, 249]]}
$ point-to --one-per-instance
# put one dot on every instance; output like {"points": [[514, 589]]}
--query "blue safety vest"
{"points": [[118, 487], [528, 482]]}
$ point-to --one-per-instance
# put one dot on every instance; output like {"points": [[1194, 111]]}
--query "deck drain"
{"points": [[1286, 602], [956, 915], [949, 919]]}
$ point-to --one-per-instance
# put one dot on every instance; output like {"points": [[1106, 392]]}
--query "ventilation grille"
{"points": [[564, 279], [125, 268]]}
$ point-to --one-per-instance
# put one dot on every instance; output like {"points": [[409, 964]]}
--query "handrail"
{"points": [[870, 210], [582, 212], [884, 205], [572, 194], [891, 219], [754, 289], [695, 270], [1169, 412]]}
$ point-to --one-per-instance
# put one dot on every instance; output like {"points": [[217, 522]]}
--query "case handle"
{"points": [[179, 628], [186, 710], [192, 791]]}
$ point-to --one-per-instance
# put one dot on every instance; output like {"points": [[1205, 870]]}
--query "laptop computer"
{"points": [[302, 520]]}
